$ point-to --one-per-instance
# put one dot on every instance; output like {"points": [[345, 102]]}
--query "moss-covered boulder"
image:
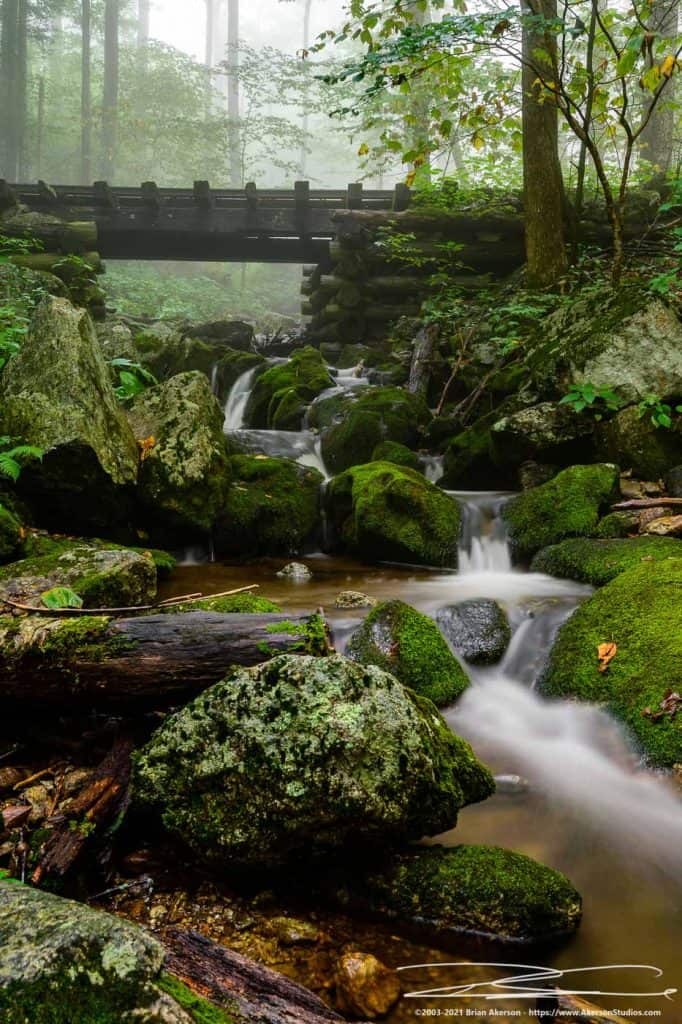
{"points": [[641, 613], [104, 577], [482, 890], [600, 561], [233, 363], [282, 394], [549, 432], [56, 394], [398, 454], [635, 443], [617, 524], [384, 512], [362, 422], [409, 645], [478, 630], [11, 537], [272, 507], [171, 347], [302, 755], [184, 474], [568, 505]]}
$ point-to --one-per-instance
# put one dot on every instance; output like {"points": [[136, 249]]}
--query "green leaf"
{"points": [[61, 597]]}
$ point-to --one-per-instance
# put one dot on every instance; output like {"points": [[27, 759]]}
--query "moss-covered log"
{"points": [[152, 658]]}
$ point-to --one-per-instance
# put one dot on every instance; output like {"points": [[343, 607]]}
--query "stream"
{"points": [[582, 802]]}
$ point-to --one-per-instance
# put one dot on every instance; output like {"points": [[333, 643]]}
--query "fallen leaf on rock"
{"points": [[670, 705], [606, 653]]}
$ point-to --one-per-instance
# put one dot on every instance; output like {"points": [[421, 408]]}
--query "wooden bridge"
{"points": [[202, 223]]}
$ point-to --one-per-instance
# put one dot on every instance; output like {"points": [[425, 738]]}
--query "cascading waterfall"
{"points": [[574, 753], [235, 406]]}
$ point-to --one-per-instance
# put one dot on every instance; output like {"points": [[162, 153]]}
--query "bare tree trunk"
{"points": [[110, 101], [21, 89], [305, 119], [543, 183], [86, 93], [8, 78], [233, 93], [656, 141]]}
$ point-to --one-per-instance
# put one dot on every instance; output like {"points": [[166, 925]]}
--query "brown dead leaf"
{"points": [[606, 653]]}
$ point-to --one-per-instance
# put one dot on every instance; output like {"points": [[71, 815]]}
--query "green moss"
{"points": [[569, 505], [617, 524], [409, 645], [235, 604], [600, 561], [398, 454], [385, 512], [200, 1010], [273, 507], [641, 612], [291, 386], [313, 633], [10, 535], [165, 562], [363, 422], [482, 889]]}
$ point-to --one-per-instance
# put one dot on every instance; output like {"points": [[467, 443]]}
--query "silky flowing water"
{"points": [[587, 806]]}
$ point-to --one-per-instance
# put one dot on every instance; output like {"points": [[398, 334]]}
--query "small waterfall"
{"points": [[483, 544], [432, 467], [214, 379], [235, 406]]}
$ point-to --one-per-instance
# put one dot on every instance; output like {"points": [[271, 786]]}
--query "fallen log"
{"points": [[248, 989], [154, 658], [647, 503]]}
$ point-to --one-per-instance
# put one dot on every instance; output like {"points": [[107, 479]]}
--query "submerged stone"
{"points": [[303, 755], [409, 645], [478, 630]]}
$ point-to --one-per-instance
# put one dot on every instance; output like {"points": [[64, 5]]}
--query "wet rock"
{"points": [[545, 431], [637, 612], [673, 482], [301, 755], [281, 394], [272, 507], [56, 394], [597, 562], [384, 512], [648, 515], [291, 931], [635, 443], [184, 475], [665, 526], [478, 630], [295, 571], [532, 474], [568, 505], [354, 599], [362, 422], [364, 986], [409, 645], [511, 785]]}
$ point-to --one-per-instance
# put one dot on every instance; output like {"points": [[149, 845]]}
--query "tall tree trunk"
{"points": [[21, 90], [543, 184], [86, 93], [110, 100], [657, 140], [305, 118], [234, 133], [8, 78], [143, 13]]}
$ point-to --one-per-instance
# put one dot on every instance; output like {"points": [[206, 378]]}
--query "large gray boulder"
{"points": [[56, 394], [547, 431], [184, 474], [304, 754]]}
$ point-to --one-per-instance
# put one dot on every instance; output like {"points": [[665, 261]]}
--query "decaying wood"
{"points": [[422, 359], [647, 503], [234, 982], [105, 796], [71, 612], [155, 658]]}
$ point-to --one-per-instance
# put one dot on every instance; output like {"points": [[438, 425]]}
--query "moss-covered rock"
{"points": [[11, 538], [479, 889], [641, 612], [169, 348], [281, 395], [635, 443], [600, 561], [548, 432], [385, 512], [617, 524], [478, 630], [470, 456], [301, 755], [272, 507], [56, 394], [363, 421], [233, 363], [104, 577], [409, 645], [569, 505], [398, 454], [184, 475]]}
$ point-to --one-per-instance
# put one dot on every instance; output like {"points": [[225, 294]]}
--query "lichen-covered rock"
{"points": [[103, 577], [478, 630], [295, 571], [282, 394], [56, 394], [625, 340], [301, 755], [599, 561], [272, 507], [478, 889], [354, 599], [409, 645], [11, 538], [64, 963], [398, 454], [116, 341], [635, 443], [184, 475], [641, 613], [366, 420], [569, 505], [546, 431], [391, 513]]}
